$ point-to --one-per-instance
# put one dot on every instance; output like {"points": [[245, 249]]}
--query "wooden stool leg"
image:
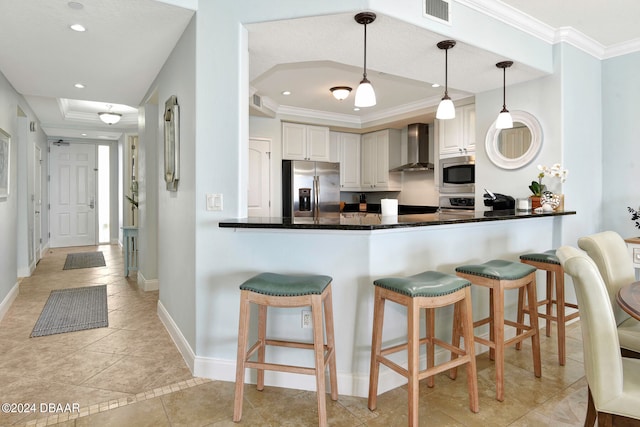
{"points": [[457, 330], [522, 302], [533, 319], [318, 344], [328, 321], [413, 332], [243, 335], [376, 345], [262, 337], [492, 322], [498, 338], [430, 317], [549, 299], [560, 314], [466, 322]]}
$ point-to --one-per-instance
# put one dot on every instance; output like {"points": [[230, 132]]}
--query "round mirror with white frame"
{"points": [[516, 147]]}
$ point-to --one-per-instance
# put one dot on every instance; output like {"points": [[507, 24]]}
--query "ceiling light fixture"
{"points": [[79, 86], [504, 120], [446, 109], [340, 92], [109, 117], [77, 27], [286, 92], [365, 95]]}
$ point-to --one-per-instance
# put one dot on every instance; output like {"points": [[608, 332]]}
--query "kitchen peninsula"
{"points": [[357, 249]]}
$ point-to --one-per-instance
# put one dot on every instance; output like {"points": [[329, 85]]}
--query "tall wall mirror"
{"points": [[516, 147]]}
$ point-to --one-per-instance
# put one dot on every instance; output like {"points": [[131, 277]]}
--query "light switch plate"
{"points": [[214, 202]]}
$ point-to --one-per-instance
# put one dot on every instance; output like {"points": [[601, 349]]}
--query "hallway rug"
{"points": [[73, 309], [84, 260]]}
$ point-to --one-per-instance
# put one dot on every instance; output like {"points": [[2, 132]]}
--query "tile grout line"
{"points": [[118, 403]]}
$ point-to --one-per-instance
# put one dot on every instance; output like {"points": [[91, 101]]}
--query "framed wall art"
{"points": [[5, 161]]}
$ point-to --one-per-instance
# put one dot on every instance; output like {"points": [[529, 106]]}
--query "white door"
{"points": [[259, 188], [37, 202], [73, 195]]}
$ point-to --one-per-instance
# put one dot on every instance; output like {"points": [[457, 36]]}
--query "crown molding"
{"points": [[288, 110], [532, 26]]}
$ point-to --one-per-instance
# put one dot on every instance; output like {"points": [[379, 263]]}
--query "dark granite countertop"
{"points": [[372, 221]]}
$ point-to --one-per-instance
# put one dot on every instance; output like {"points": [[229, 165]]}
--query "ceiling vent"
{"points": [[438, 10]]}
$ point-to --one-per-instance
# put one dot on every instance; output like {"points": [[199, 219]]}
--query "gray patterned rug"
{"points": [[84, 260], [74, 309]]}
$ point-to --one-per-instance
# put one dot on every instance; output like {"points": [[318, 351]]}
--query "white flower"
{"points": [[555, 170]]}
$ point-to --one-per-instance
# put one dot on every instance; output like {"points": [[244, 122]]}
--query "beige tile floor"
{"points": [[130, 373]]}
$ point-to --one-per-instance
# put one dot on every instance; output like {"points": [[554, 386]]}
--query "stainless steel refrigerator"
{"points": [[310, 189]]}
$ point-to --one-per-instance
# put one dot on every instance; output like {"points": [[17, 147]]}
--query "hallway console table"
{"points": [[130, 237]]}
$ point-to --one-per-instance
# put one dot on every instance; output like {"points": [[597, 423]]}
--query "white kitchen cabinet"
{"points": [[380, 152], [457, 137], [349, 148], [305, 142]]}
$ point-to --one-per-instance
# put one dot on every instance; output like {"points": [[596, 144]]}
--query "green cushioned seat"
{"points": [[427, 284], [548, 257], [498, 269], [281, 285]]}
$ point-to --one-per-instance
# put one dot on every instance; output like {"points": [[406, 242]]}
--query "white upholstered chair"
{"points": [[614, 381], [609, 251]]}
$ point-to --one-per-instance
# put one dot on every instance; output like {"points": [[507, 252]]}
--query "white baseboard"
{"points": [[183, 346], [147, 284], [8, 300]]}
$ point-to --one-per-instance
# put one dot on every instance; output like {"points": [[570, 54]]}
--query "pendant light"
{"points": [[365, 95], [446, 109], [504, 120]]}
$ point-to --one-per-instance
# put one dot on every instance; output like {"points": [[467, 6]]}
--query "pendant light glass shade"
{"points": [[504, 120], [365, 95], [446, 109]]}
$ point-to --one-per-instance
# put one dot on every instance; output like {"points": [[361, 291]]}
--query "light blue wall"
{"points": [[176, 227], [14, 208], [581, 143], [620, 142]]}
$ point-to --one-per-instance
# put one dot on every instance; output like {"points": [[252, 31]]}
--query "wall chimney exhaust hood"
{"points": [[418, 149]]}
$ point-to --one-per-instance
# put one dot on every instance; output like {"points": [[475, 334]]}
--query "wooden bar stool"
{"points": [[549, 262], [277, 290], [499, 276], [427, 290]]}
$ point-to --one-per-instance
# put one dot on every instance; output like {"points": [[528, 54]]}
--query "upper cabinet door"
{"points": [[318, 145], [457, 137], [294, 141], [303, 142]]}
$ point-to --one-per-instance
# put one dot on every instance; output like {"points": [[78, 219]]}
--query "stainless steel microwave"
{"points": [[458, 174]]}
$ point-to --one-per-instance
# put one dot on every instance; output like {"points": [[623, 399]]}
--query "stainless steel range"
{"points": [[462, 201]]}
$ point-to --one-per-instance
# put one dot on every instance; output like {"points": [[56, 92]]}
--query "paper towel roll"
{"points": [[389, 207]]}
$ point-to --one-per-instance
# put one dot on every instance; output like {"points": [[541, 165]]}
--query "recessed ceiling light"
{"points": [[286, 93], [356, 109], [79, 85], [435, 85], [83, 134], [75, 5], [77, 27]]}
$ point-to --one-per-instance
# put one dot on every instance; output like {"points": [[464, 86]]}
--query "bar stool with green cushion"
{"points": [[500, 276], [278, 290], [428, 290], [549, 262]]}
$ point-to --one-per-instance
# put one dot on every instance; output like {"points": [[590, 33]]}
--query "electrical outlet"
{"points": [[306, 319]]}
